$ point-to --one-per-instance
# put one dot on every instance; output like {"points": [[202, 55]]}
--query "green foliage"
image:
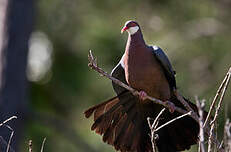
{"points": [[195, 35]]}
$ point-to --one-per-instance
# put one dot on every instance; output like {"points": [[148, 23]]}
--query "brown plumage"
{"points": [[122, 120]]}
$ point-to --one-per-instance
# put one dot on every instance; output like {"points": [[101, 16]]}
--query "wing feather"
{"points": [[119, 73], [164, 61]]}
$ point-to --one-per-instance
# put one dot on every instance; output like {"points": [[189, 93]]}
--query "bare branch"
{"points": [[216, 97], [186, 105], [221, 99], [224, 86], [220, 146], [153, 128], [155, 123], [171, 121], [7, 120], [44, 140], [10, 139], [217, 111], [227, 136], [200, 107], [12, 131], [3, 142], [181, 99], [30, 145]]}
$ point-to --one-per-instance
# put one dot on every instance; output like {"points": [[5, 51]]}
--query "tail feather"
{"points": [[101, 110], [105, 109], [119, 139], [117, 130], [103, 122], [104, 114], [135, 135], [89, 111], [128, 132], [125, 108], [109, 135]]}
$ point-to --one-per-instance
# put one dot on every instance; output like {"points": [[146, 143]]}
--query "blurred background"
{"points": [[45, 79]]}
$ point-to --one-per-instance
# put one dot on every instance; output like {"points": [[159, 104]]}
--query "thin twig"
{"points": [[186, 105], [152, 135], [220, 146], [216, 97], [200, 107], [4, 143], [181, 99], [10, 139], [44, 140], [30, 145], [7, 120], [153, 128], [215, 148], [12, 131], [171, 121], [210, 145], [221, 100], [227, 136], [9, 142], [217, 111], [155, 123]]}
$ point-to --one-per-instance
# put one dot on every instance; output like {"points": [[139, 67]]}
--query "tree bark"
{"points": [[14, 35]]}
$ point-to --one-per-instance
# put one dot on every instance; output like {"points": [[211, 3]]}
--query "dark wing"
{"points": [[165, 63], [118, 73]]}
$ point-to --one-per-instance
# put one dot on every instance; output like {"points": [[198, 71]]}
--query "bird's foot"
{"points": [[175, 92], [171, 106], [142, 95]]}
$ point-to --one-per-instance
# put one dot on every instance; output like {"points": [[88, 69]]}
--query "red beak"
{"points": [[124, 29]]}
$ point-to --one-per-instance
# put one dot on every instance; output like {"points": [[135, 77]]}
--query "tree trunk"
{"points": [[14, 35]]}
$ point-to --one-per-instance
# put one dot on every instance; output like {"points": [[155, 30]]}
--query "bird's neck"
{"points": [[135, 44], [136, 40], [135, 52]]}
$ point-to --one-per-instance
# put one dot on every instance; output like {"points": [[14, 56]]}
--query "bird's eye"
{"points": [[133, 24]]}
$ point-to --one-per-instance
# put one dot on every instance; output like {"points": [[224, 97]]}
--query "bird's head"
{"points": [[131, 27]]}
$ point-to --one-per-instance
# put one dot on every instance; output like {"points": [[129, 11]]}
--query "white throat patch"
{"points": [[133, 30]]}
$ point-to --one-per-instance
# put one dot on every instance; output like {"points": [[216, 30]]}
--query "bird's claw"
{"points": [[142, 95], [171, 106]]}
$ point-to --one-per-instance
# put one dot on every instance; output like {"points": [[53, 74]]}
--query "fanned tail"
{"points": [[119, 121]]}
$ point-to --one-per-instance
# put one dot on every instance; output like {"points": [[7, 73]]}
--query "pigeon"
{"points": [[122, 120]]}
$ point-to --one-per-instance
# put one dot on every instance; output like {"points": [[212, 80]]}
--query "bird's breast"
{"points": [[143, 72]]}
